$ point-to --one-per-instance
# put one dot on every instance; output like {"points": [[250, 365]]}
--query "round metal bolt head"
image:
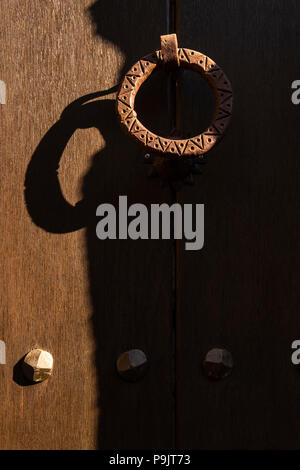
{"points": [[37, 365], [132, 365], [218, 364]]}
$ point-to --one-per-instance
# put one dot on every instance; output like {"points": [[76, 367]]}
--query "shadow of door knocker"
{"points": [[173, 157]]}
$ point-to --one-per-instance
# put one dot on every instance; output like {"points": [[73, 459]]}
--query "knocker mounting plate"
{"points": [[176, 147]]}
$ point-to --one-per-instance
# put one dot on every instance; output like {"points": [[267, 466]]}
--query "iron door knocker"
{"points": [[171, 56]]}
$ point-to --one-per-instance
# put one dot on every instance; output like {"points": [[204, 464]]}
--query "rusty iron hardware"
{"points": [[170, 56], [37, 365], [174, 172], [169, 52], [132, 365], [218, 364]]}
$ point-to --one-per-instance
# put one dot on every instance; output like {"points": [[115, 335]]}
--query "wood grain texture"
{"points": [[63, 290], [241, 291]]}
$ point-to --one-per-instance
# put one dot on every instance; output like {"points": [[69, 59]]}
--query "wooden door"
{"points": [[86, 301], [240, 291], [62, 289]]}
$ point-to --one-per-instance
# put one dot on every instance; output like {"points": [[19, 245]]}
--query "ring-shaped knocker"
{"points": [[191, 147]]}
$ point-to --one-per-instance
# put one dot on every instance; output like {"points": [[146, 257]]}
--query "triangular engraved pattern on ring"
{"points": [[183, 55]]}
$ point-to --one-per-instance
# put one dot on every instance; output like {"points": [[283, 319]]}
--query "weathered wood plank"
{"points": [[83, 300], [241, 291]]}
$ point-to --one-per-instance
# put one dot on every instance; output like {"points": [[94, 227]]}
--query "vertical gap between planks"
{"points": [[174, 121], [178, 349]]}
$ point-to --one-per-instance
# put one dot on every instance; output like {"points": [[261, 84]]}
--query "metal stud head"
{"points": [[132, 365], [218, 364], [37, 365]]}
